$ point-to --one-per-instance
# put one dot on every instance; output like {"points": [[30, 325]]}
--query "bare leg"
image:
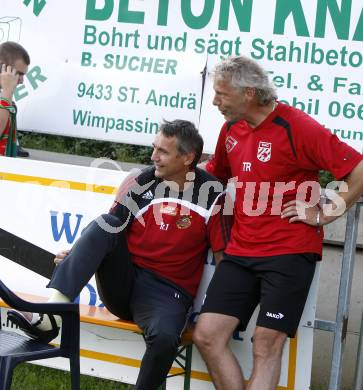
{"points": [[211, 336], [267, 351]]}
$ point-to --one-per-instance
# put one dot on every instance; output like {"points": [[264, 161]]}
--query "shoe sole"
{"points": [[32, 331]]}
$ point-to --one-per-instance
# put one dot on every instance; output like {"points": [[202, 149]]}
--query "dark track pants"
{"points": [[158, 307]]}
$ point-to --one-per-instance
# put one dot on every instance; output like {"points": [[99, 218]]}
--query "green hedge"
{"points": [[86, 147]]}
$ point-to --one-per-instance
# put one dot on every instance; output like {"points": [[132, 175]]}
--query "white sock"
{"points": [[56, 296]]}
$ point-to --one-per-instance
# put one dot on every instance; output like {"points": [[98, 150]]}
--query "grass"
{"points": [[30, 377]]}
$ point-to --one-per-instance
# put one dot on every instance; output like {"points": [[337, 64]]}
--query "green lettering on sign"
{"points": [[197, 22], [283, 9], [358, 35], [340, 18], [243, 14], [35, 76], [126, 16], [163, 12], [93, 13], [20, 92], [38, 5]]}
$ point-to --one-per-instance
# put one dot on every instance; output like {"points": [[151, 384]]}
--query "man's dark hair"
{"points": [[12, 51], [189, 140]]}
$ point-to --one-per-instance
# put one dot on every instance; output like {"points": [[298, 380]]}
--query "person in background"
{"points": [[14, 62], [274, 153]]}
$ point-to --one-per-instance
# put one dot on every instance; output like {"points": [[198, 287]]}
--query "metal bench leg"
{"points": [[163, 386], [184, 353], [188, 366]]}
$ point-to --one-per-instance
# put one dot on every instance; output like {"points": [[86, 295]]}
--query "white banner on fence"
{"points": [[112, 70], [49, 205]]}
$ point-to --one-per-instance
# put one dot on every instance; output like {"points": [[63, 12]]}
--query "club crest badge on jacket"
{"points": [[184, 222], [264, 151]]}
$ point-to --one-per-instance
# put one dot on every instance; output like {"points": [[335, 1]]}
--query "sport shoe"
{"points": [[28, 323]]}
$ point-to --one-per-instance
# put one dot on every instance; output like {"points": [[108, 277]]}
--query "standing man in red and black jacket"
{"points": [[273, 153], [148, 253]]}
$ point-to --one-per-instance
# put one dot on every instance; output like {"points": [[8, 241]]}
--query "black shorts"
{"points": [[279, 283]]}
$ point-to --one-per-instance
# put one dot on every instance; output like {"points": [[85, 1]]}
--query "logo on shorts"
{"points": [[277, 316], [264, 151]]}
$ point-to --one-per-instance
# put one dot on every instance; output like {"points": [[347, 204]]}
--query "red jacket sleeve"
{"points": [[323, 150], [219, 224], [218, 165]]}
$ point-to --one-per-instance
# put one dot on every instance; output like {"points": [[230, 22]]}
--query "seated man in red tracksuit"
{"points": [[148, 252]]}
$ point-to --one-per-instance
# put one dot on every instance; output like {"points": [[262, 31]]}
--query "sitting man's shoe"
{"points": [[20, 152], [29, 324]]}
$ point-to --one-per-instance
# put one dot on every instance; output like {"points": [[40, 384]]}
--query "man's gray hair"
{"points": [[242, 72]]}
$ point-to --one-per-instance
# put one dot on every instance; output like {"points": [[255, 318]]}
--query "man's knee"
{"points": [[203, 337], [268, 343], [213, 331], [162, 343]]}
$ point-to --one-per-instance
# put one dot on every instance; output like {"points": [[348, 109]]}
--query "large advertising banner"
{"points": [[312, 50], [113, 69], [104, 69], [49, 205]]}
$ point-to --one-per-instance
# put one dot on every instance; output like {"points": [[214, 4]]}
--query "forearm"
{"points": [[4, 113], [4, 117], [218, 256], [347, 195], [8, 82], [7, 93]]}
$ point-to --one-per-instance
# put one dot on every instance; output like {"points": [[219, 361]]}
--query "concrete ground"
{"points": [[328, 287]]}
